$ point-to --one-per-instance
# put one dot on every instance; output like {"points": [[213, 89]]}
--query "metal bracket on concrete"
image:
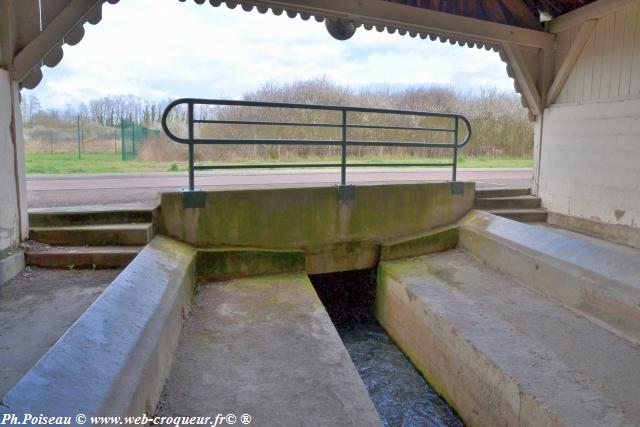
{"points": [[193, 198], [346, 192], [457, 187]]}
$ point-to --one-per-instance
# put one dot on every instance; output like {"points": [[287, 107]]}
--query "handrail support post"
{"points": [[455, 150], [191, 171], [343, 167]]}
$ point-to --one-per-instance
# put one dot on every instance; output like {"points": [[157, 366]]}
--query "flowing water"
{"points": [[399, 392]]}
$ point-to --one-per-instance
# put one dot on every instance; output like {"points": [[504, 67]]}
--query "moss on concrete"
{"points": [[336, 234], [229, 263], [438, 240]]}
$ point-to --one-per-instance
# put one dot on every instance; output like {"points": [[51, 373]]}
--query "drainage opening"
{"points": [[400, 394]]}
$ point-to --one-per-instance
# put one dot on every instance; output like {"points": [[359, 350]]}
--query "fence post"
{"points": [[455, 150], [115, 139], [51, 142], [133, 139], [78, 136], [122, 139]]}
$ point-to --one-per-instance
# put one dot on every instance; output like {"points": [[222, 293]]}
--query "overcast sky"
{"points": [[157, 49]]}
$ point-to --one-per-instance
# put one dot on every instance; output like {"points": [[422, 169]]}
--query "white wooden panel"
{"points": [[634, 87], [627, 50], [587, 64], [616, 54], [609, 66]]}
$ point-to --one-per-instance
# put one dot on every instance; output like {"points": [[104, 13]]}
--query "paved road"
{"points": [[97, 189]]}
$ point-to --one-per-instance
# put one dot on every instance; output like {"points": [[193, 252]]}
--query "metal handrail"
{"points": [[343, 142]]}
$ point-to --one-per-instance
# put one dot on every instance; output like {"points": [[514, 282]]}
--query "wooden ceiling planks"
{"points": [[520, 13]]}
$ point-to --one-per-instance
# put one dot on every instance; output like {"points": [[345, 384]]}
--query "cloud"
{"points": [[176, 49]]}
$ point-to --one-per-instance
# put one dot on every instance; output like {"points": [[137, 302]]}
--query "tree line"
{"points": [[501, 127]]}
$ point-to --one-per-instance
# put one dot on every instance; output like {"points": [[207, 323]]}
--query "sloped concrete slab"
{"points": [[265, 346], [501, 353], [114, 359], [36, 309], [595, 280]]}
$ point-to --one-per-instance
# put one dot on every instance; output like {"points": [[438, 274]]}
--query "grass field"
{"points": [[57, 163]]}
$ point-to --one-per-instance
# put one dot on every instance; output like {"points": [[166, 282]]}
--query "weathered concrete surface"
{"points": [[96, 235], [80, 256], [116, 356], [335, 234], [36, 308], [92, 215], [618, 233], [438, 240], [501, 353], [230, 263], [11, 264], [13, 218], [597, 281], [265, 346]]}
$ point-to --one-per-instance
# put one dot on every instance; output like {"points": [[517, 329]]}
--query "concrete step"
{"points": [[512, 202], [501, 353], [90, 215], [265, 346], [502, 192], [597, 280], [94, 235], [522, 215], [96, 257]]}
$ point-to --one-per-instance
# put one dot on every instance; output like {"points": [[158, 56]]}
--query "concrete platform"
{"points": [[85, 215], [94, 257], [503, 354], [36, 308], [598, 281], [265, 346]]}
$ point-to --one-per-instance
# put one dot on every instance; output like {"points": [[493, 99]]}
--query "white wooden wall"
{"points": [[590, 155], [609, 66]]}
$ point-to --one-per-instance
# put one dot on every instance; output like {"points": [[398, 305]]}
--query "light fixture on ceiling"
{"points": [[340, 29]]}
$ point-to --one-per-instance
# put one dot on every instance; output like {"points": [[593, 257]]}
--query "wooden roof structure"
{"points": [[511, 27], [519, 13]]}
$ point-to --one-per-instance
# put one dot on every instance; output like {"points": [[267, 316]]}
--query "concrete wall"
{"points": [[335, 234], [12, 180], [590, 138], [590, 164]]}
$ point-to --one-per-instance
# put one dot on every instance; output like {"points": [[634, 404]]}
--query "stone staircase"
{"points": [[88, 237], [513, 203]]}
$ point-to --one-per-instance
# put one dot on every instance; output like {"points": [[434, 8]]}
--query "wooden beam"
{"points": [[7, 33], [570, 60], [594, 10], [27, 22], [31, 56], [527, 85], [416, 19]]}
